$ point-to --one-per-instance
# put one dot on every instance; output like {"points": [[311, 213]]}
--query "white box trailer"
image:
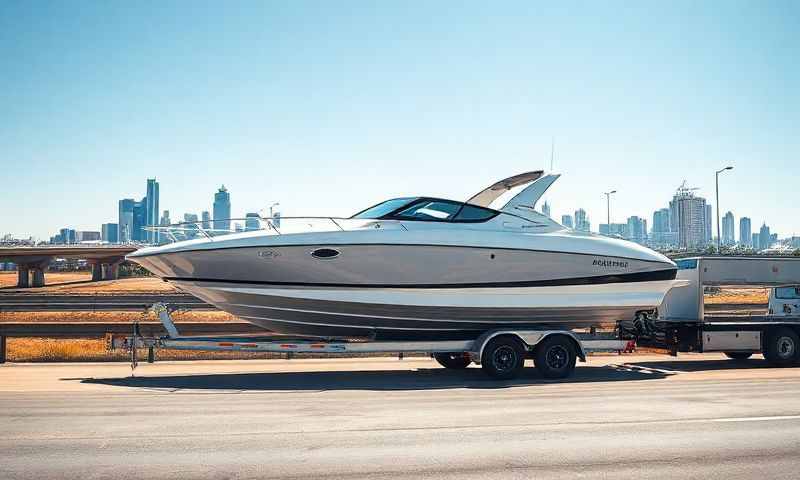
{"points": [[680, 326], [685, 326]]}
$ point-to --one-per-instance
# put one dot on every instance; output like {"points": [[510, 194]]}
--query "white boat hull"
{"points": [[427, 312]]}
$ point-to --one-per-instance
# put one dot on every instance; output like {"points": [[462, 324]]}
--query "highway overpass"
{"points": [[32, 262]]}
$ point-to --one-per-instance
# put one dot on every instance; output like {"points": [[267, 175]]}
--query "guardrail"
{"points": [[26, 302], [102, 329]]}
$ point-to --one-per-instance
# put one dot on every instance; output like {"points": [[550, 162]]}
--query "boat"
{"points": [[419, 267]]}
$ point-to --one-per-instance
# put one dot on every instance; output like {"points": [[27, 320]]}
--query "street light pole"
{"points": [[608, 209], [719, 238]]}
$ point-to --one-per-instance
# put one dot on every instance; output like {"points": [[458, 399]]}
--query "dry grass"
{"points": [[209, 316], [94, 350], [737, 295], [80, 282], [9, 279]]}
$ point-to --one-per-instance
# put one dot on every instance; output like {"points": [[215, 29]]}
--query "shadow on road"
{"points": [[703, 365], [386, 380]]}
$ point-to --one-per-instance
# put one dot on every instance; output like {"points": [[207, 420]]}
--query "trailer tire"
{"points": [[555, 357], [738, 356], [503, 357], [453, 361], [782, 345]]}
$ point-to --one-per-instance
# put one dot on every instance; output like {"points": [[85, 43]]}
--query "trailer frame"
{"points": [[524, 343]]}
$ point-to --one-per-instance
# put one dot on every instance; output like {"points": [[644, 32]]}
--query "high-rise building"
{"points": [[191, 220], [709, 229], [151, 211], [87, 236], [661, 228], [688, 212], [637, 229], [222, 209], [566, 220], [582, 221], [206, 220], [745, 234], [125, 223], [764, 240], [728, 235], [65, 236], [109, 232], [615, 229], [754, 242], [165, 220], [252, 222], [546, 209]]}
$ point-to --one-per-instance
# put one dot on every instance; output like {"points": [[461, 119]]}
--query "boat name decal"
{"points": [[268, 254], [610, 263]]}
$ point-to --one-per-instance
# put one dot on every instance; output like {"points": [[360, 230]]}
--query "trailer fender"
{"points": [[530, 338]]}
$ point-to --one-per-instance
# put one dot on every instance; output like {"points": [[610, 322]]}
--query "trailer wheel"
{"points": [[454, 361], [503, 357], [781, 349], [555, 357], [738, 355]]}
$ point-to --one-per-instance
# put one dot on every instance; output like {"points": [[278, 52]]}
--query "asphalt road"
{"points": [[620, 417]]}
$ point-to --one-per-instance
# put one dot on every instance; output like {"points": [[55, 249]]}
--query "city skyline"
{"points": [[347, 116], [669, 229]]}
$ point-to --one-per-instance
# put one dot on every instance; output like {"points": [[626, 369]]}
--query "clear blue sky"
{"points": [[332, 106]]}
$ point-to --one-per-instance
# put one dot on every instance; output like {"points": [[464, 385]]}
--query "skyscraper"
{"points": [[165, 220], [109, 232], [206, 220], [138, 233], [566, 220], [689, 214], [637, 229], [764, 240], [728, 235], [222, 209], [191, 220], [745, 235], [709, 229], [546, 209], [125, 223], [151, 210], [661, 228], [252, 222], [581, 221]]}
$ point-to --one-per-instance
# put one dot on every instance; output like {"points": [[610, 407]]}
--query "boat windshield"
{"points": [[382, 209], [427, 210]]}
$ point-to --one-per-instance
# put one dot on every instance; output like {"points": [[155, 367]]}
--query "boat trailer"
{"points": [[501, 352]]}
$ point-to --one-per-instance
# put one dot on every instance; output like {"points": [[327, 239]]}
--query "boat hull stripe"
{"points": [[658, 275]]}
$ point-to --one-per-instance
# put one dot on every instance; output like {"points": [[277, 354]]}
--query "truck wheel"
{"points": [[781, 349], [555, 357], [503, 357], [738, 355], [454, 361]]}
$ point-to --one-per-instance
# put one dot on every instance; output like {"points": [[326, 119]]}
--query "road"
{"points": [[697, 416]]}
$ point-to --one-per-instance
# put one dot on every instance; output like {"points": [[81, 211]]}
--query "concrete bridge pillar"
{"points": [[111, 271], [97, 271], [38, 277], [23, 276]]}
